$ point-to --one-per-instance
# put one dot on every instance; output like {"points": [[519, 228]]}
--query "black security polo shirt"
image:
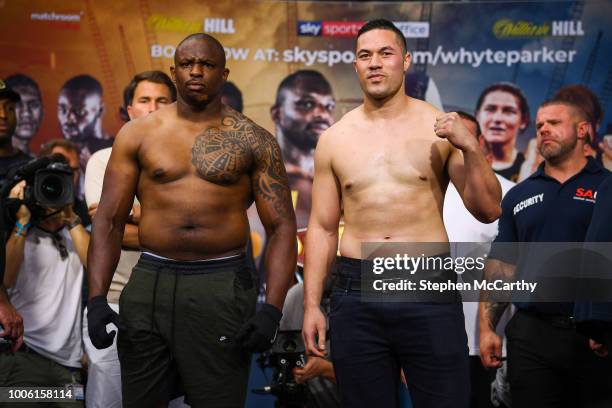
{"points": [[541, 209], [600, 230]]}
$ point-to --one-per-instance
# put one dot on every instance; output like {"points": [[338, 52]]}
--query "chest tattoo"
{"points": [[221, 156]]}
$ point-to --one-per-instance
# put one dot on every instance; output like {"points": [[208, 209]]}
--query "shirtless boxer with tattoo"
{"points": [[387, 164], [188, 311]]}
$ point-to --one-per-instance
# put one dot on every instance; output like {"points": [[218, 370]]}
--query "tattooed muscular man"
{"points": [[188, 311]]}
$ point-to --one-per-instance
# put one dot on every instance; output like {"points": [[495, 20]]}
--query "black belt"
{"points": [[560, 321], [347, 283]]}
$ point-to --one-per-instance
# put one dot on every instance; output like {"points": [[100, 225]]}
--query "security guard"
{"points": [[594, 319], [549, 362]]}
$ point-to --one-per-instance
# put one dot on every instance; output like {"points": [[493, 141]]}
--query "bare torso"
{"points": [[195, 185], [392, 176]]}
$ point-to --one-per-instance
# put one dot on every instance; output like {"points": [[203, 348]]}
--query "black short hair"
{"points": [[83, 82], [382, 24], [157, 77], [471, 118], [578, 110], [587, 100], [308, 79], [512, 89], [206, 37], [21, 80], [231, 91]]}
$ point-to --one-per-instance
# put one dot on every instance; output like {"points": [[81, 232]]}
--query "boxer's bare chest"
{"points": [[403, 158], [221, 153]]}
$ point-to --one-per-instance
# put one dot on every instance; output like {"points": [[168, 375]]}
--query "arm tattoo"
{"points": [[222, 155], [494, 308]]}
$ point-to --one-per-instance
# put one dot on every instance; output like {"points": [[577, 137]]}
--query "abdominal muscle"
{"points": [[406, 215], [202, 224]]}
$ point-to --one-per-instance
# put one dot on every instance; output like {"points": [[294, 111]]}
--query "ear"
{"points": [[583, 131], [173, 74], [275, 113], [225, 74], [407, 61], [129, 111]]}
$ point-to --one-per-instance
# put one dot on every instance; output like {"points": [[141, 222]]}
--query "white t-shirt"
{"points": [[94, 178], [461, 226], [47, 294]]}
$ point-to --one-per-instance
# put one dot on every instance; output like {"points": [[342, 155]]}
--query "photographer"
{"points": [[44, 273], [318, 373]]}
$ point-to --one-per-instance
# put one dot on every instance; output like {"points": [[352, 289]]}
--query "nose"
{"points": [[24, 110], [197, 70], [71, 117], [375, 61], [497, 115], [321, 112], [153, 106]]}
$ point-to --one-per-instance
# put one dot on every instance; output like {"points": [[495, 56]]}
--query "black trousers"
{"points": [[371, 341], [181, 319], [552, 366]]}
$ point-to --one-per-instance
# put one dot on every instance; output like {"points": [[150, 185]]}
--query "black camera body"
{"points": [[50, 187], [287, 352]]}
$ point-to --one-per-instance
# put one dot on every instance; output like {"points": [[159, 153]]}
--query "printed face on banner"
{"points": [[500, 117], [29, 112], [380, 63], [304, 116], [199, 72], [78, 113], [148, 97], [557, 132]]}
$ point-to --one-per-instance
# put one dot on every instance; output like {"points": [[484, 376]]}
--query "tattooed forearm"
{"points": [[495, 303], [493, 313]]}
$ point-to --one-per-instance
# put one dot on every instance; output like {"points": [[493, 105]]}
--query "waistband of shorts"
{"points": [[352, 267], [200, 266]]}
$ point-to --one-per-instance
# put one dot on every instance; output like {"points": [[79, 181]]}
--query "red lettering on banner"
{"points": [[341, 28]]}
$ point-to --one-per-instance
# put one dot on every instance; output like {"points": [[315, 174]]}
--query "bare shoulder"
{"points": [[261, 142], [425, 110], [339, 133]]}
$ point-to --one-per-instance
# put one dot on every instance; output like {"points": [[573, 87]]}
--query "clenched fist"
{"points": [[450, 126]]}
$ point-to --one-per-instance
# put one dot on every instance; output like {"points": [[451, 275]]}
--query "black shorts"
{"points": [[181, 320]]}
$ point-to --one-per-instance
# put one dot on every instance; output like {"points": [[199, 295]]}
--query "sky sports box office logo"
{"points": [[410, 29]]}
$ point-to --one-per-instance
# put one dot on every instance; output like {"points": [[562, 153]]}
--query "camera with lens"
{"points": [[287, 352], [48, 185]]}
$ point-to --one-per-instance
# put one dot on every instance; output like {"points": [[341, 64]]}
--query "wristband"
{"points": [[22, 230], [74, 223]]}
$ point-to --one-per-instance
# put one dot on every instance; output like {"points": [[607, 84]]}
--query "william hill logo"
{"points": [[507, 28]]}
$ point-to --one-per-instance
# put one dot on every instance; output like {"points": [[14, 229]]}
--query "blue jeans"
{"points": [[371, 341]]}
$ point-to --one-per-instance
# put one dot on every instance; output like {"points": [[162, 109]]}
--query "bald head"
{"points": [[210, 41]]}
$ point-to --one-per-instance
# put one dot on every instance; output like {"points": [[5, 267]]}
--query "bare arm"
{"points": [[120, 181], [469, 170], [130, 234], [16, 243], [322, 238], [273, 201], [491, 309], [321, 244], [14, 258]]}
